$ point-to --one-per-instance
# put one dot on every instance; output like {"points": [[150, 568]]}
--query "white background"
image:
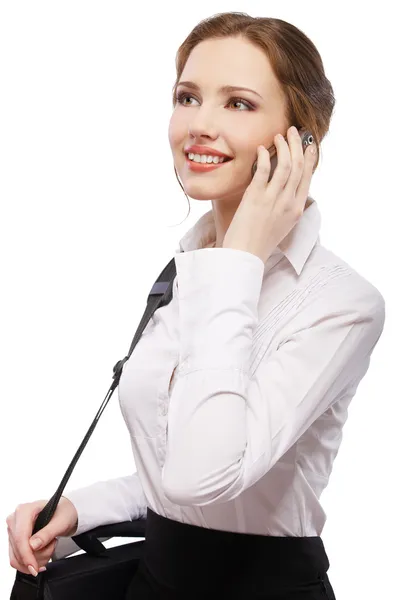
{"points": [[91, 212]]}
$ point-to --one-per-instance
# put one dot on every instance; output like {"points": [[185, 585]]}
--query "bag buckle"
{"points": [[119, 366]]}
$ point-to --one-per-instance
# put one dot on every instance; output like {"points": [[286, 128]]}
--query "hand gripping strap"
{"points": [[160, 295]]}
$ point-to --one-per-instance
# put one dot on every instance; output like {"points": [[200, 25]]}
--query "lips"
{"points": [[196, 149]]}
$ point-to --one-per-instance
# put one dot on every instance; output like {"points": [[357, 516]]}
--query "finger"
{"points": [[302, 191], [46, 535], [42, 537], [43, 556], [22, 533], [283, 168], [13, 545], [14, 562], [261, 175], [297, 162]]}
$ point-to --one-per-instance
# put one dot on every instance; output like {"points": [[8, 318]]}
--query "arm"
{"points": [[104, 502], [226, 428]]}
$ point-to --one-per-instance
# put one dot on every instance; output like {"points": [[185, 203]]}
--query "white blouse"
{"points": [[236, 394]]}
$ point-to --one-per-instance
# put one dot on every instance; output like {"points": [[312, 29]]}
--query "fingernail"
{"points": [[42, 569], [32, 571], [313, 150], [36, 543]]}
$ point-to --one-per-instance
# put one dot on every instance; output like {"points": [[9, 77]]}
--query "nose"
{"points": [[202, 125]]}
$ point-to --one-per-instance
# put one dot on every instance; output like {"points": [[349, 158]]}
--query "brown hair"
{"points": [[294, 59]]}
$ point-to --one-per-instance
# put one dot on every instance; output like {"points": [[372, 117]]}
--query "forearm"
{"points": [[105, 502]]}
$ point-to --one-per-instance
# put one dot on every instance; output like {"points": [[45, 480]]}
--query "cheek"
{"points": [[177, 131], [171, 133], [247, 138]]}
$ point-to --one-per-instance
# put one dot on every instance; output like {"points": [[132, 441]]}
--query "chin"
{"points": [[199, 192], [209, 191]]}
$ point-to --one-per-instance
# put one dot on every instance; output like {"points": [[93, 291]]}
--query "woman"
{"points": [[236, 395]]}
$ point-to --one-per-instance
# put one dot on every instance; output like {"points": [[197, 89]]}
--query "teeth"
{"points": [[204, 158]]}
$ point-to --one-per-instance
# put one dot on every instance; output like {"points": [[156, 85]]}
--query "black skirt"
{"points": [[186, 561]]}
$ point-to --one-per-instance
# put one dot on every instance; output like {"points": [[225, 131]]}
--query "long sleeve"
{"points": [[105, 502], [226, 428]]}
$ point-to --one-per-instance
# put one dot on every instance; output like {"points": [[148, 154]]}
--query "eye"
{"points": [[183, 95]]}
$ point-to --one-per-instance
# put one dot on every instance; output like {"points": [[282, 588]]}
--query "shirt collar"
{"points": [[296, 246]]}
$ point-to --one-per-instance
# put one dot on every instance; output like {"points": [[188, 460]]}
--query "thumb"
{"points": [[36, 543], [41, 539]]}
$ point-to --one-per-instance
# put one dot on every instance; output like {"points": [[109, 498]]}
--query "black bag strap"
{"points": [[160, 295], [90, 540]]}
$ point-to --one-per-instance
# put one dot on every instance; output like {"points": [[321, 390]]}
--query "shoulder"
{"points": [[339, 283], [327, 291]]}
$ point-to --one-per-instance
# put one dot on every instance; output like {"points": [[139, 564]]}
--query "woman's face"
{"points": [[233, 122]]}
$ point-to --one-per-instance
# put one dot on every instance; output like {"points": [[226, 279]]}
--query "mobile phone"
{"points": [[307, 139]]}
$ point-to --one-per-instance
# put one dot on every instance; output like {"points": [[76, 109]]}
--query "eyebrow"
{"points": [[224, 88]]}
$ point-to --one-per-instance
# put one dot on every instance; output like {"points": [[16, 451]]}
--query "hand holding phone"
{"points": [[267, 213], [307, 139]]}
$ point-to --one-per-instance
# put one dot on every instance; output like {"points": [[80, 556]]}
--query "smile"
{"points": [[199, 167]]}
